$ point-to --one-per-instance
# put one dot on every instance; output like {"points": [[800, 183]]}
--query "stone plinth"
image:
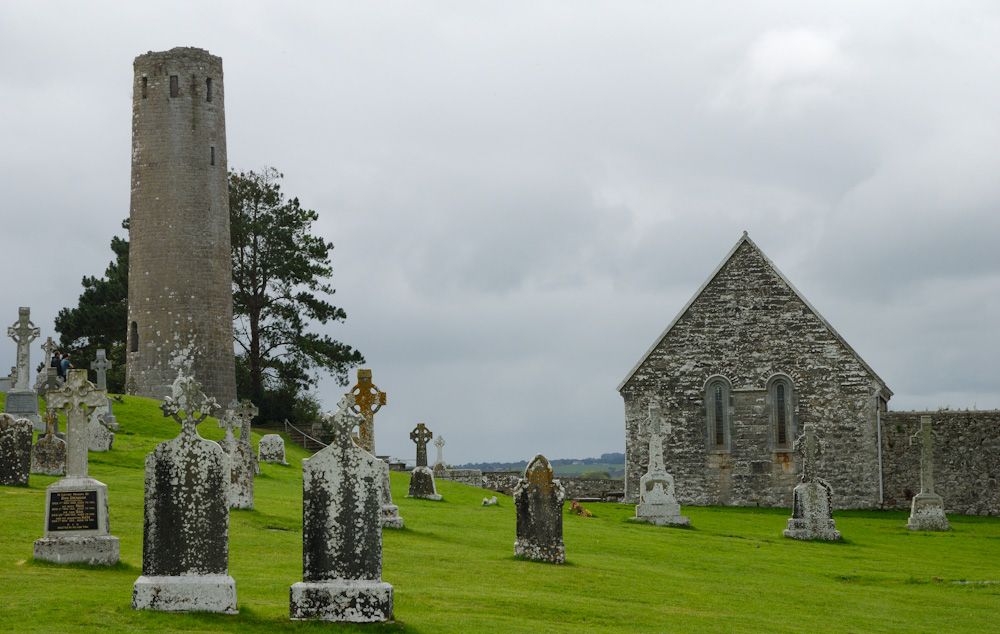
{"points": [[812, 513], [390, 512], [15, 450], [422, 484], [271, 448], [927, 513], [77, 526], [341, 531], [539, 499], [99, 437], [24, 404], [197, 593]]}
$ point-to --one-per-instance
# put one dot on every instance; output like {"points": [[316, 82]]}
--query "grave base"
{"points": [[185, 593], [660, 515], [807, 529], [96, 550], [552, 553], [341, 600], [390, 516], [24, 404], [927, 513]]}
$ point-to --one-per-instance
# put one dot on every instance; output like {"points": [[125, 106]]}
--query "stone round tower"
{"points": [[180, 302]]}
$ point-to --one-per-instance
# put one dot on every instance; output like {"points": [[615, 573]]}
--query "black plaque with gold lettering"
{"points": [[73, 511]]}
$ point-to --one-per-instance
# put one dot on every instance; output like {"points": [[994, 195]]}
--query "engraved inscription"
{"points": [[21, 402], [73, 511]]}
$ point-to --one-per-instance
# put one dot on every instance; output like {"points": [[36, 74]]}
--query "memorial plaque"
{"points": [[73, 511], [21, 401]]}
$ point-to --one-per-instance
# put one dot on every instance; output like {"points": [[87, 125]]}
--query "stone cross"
{"points": [[101, 366], [228, 421], [51, 421], [925, 436], [23, 332], [808, 445], [439, 443], [186, 400], [421, 436], [243, 412], [344, 420], [76, 394], [49, 347], [658, 429], [368, 400]]}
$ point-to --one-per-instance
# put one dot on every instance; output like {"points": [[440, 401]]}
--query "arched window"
{"points": [[718, 413], [781, 406]]}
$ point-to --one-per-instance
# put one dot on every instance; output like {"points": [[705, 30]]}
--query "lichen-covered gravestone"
{"points": [[440, 468], [341, 532], [657, 502], [368, 400], [242, 459], [539, 499], [15, 450], [99, 437], [22, 401], [105, 414], [271, 448], [812, 505], [422, 478], [927, 509], [185, 541], [77, 522], [48, 454]]}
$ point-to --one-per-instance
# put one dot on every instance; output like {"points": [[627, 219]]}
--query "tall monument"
{"points": [[180, 303]]}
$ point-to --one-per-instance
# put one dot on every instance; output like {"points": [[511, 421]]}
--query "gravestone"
{"points": [[242, 459], [271, 448], [185, 541], [341, 531], [77, 522], [368, 400], [657, 502], [7, 382], [927, 509], [99, 437], [100, 366], [22, 400], [422, 478], [539, 499], [812, 499], [440, 468], [48, 454], [15, 451]]}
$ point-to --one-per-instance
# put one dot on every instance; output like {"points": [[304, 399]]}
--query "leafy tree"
{"points": [[279, 280], [100, 318]]}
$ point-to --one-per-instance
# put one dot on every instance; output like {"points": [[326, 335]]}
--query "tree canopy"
{"points": [[280, 273]]}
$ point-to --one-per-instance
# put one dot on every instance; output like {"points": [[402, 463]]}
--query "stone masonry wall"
{"points": [[180, 273], [471, 477], [749, 325], [576, 488], [966, 460]]}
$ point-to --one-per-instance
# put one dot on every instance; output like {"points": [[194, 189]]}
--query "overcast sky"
{"points": [[522, 195]]}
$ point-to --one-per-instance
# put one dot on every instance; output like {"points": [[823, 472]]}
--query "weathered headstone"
{"points": [[368, 400], [15, 451], [657, 502], [242, 459], [812, 505], [99, 437], [422, 478], [490, 501], [341, 532], [927, 509], [440, 468], [22, 400], [185, 541], [77, 522], [271, 448], [100, 366], [539, 499], [48, 454]]}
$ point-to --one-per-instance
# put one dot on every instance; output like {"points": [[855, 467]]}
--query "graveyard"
{"points": [[453, 569]]}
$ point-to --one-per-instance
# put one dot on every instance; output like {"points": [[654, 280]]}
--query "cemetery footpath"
{"points": [[452, 567]]}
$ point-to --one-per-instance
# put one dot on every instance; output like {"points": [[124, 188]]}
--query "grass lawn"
{"points": [[453, 567]]}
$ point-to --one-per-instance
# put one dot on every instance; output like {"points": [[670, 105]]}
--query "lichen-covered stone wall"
{"points": [[966, 460], [749, 325], [471, 477]]}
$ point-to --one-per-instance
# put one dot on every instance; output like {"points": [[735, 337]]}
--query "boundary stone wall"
{"points": [[576, 488]]}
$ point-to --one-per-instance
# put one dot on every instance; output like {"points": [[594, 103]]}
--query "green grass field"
{"points": [[453, 567]]}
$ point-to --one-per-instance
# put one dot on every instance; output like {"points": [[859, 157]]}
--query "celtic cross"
{"points": [[23, 332], [51, 421], [439, 443], [77, 393], [343, 422], [808, 445], [186, 400], [925, 436], [658, 429], [421, 436], [101, 366], [49, 347], [368, 400], [244, 412]]}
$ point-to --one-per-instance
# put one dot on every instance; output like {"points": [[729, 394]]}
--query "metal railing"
{"points": [[289, 426]]}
